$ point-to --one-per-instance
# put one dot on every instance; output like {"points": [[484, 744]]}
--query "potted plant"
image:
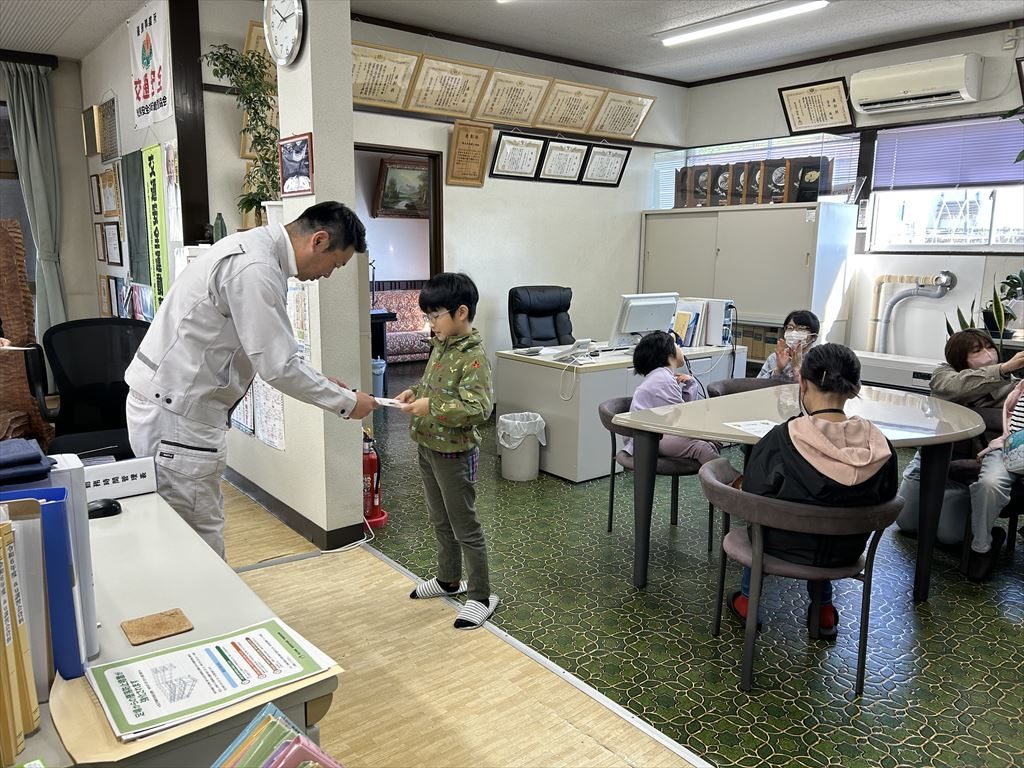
{"points": [[253, 80], [1002, 309]]}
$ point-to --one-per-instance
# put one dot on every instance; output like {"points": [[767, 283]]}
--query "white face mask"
{"points": [[794, 338], [982, 358]]}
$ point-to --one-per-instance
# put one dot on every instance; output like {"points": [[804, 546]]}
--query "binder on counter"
{"points": [[22, 645], [12, 739]]}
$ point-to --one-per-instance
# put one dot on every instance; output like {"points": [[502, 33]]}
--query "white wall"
{"points": [[746, 109], [224, 22], [399, 248]]}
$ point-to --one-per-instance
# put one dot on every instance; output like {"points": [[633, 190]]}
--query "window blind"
{"points": [[949, 154], [843, 151]]}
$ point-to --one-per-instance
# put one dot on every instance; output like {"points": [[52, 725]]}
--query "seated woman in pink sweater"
{"points": [[657, 358]]}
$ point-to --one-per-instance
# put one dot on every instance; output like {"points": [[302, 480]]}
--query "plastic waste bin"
{"points": [[520, 436], [378, 366]]}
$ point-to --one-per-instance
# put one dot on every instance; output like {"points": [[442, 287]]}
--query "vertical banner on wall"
{"points": [[153, 176], [150, 41]]}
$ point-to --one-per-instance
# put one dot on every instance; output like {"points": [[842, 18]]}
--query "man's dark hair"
{"points": [[450, 290], [832, 368], [339, 221], [653, 351], [803, 318], [964, 343]]}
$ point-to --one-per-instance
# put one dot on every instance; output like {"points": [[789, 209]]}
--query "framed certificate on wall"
{"points": [[563, 161], [569, 107], [621, 114], [512, 98], [604, 166], [467, 156], [816, 107], [517, 156], [381, 76], [447, 87]]}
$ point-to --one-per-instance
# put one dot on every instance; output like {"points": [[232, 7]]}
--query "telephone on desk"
{"points": [[580, 348]]}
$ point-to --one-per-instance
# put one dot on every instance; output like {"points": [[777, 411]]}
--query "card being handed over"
{"points": [[388, 402]]}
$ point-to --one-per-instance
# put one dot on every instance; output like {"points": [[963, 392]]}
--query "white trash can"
{"points": [[520, 436], [378, 367]]}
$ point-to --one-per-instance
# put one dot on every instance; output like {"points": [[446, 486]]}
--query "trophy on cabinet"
{"points": [[772, 186], [808, 177], [719, 192], [698, 186], [739, 174]]}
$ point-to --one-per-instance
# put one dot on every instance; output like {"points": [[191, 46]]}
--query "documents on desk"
{"points": [[152, 692]]}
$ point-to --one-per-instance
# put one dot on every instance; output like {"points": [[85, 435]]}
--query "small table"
{"points": [[906, 418], [379, 337]]}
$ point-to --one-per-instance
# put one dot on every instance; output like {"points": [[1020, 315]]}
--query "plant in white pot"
{"points": [[253, 81]]}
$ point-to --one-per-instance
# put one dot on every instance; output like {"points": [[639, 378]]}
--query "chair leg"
{"points": [[611, 491], [747, 676], [675, 500], [862, 645], [716, 628], [711, 526]]}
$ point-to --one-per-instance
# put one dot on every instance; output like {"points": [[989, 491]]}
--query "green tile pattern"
{"points": [[945, 680]]}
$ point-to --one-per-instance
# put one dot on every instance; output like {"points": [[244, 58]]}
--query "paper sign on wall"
{"points": [[150, 43]]}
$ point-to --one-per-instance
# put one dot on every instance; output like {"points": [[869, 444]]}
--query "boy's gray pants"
{"points": [[450, 489]]}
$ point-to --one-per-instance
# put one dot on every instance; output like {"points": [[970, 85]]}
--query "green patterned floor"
{"points": [[945, 680]]}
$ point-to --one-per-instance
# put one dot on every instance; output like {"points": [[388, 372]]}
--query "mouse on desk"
{"points": [[104, 508], [595, 353]]}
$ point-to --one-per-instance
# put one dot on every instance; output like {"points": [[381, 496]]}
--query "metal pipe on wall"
{"points": [[942, 284]]}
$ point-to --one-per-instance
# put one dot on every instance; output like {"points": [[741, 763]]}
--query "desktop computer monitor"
{"points": [[641, 313]]}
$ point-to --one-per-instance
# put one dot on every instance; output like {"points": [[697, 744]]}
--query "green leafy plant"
{"points": [[253, 80], [963, 321], [1013, 287]]}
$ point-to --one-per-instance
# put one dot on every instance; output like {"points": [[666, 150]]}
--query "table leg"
{"points": [[934, 468], [645, 462]]}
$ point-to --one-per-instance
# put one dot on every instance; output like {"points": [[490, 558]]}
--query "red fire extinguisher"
{"points": [[375, 516]]}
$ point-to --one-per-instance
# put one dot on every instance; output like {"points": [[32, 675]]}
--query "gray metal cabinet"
{"points": [[769, 259]]}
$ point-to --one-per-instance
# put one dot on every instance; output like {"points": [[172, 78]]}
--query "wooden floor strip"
{"points": [[253, 535], [417, 692]]}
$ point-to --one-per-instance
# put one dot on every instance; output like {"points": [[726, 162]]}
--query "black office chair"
{"points": [[538, 315], [88, 359]]}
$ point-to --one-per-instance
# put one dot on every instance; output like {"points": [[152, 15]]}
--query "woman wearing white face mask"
{"points": [[800, 332], [971, 376]]}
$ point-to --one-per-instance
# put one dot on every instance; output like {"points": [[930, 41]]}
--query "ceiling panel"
{"points": [[64, 28]]}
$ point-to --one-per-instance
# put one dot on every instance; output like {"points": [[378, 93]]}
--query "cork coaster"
{"points": [[145, 629]]}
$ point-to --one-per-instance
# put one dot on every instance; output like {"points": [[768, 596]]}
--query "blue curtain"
{"points": [[35, 152]]}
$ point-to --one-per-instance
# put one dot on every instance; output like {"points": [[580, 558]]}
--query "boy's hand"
{"points": [[406, 397], [419, 407]]}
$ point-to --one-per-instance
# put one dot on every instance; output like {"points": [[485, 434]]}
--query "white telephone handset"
{"points": [[581, 347]]}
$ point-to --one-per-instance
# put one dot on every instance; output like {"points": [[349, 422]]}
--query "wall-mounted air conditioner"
{"points": [[932, 83]]}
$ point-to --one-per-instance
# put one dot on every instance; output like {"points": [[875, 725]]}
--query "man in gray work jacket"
{"points": [[223, 321]]}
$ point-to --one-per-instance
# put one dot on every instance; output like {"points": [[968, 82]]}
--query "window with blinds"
{"points": [[949, 187], [842, 150]]}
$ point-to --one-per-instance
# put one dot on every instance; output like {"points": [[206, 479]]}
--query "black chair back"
{"points": [[539, 315], [735, 386], [88, 359]]}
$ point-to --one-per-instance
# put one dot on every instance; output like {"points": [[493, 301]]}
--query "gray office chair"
{"points": [[674, 468], [716, 478]]}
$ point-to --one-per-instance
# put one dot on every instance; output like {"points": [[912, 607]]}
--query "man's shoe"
{"points": [[981, 565]]}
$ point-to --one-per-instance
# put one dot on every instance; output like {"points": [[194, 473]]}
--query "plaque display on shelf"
{"points": [[447, 87], [605, 165], [517, 156], [718, 192], [512, 97], [621, 114], [772, 182], [381, 76], [816, 107], [563, 161], [808, 176], [739, 176], [569, 107], [467, 157], [698, 177]]}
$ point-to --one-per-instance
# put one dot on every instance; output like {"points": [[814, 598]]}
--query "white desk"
{"points": [[906, 418], [567, 395], [147, 560]]}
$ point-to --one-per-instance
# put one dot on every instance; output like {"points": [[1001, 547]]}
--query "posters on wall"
{"points": [[242, 416], [153, 182], [150, 43], [268, 413], [298, 314]]}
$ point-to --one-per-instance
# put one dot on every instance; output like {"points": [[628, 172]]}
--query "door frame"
{"points": [[435, 175]]}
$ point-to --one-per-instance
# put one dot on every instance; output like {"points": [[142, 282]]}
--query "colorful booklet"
{"points": [[271, 740]]}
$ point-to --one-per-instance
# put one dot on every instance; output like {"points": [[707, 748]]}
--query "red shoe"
{"points": [[738, 607], [828, 622]]}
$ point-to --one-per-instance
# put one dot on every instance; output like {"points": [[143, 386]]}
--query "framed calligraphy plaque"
{"points": [[447, 87], [816, 107], [381, 76], [621, 114], [569, 107], [467, 156], [512, 98], [517, 156], [605, 165], [563, 161]]}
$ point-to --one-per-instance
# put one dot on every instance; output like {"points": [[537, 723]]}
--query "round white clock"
{"points": [[282, 28]]}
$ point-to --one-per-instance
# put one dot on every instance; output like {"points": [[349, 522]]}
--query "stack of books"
{"points": [[18, 699], [271, 740]]}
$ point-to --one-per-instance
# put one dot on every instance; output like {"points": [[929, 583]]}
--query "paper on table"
{"points": [[388, 402], [759, 428]]}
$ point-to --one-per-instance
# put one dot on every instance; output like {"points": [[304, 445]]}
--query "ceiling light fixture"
{"points": [[741, 20]]}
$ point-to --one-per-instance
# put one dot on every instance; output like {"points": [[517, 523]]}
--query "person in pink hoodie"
{"points": [[821, 457]]}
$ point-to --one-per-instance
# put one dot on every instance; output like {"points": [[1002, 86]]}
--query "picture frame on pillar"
{"points": [[295, 156]]}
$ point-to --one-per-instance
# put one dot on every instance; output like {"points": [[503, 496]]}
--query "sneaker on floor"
{"points": [[981, 565], [474, 613], [737, 603], [433, 588], [828, 622]]}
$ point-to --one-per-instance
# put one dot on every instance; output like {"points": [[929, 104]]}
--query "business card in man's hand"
{"points": [[389, 402]]}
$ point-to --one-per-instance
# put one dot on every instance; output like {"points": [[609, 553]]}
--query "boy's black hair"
{"points": [[653, 351], [450, 290], [803, 318], [339, 221], [832, 368]]}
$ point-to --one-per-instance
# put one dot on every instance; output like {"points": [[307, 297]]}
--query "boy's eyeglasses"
{"points": [[433, 317]]}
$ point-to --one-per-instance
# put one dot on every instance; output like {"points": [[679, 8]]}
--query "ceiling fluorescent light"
{"points": [[740, 20]]}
